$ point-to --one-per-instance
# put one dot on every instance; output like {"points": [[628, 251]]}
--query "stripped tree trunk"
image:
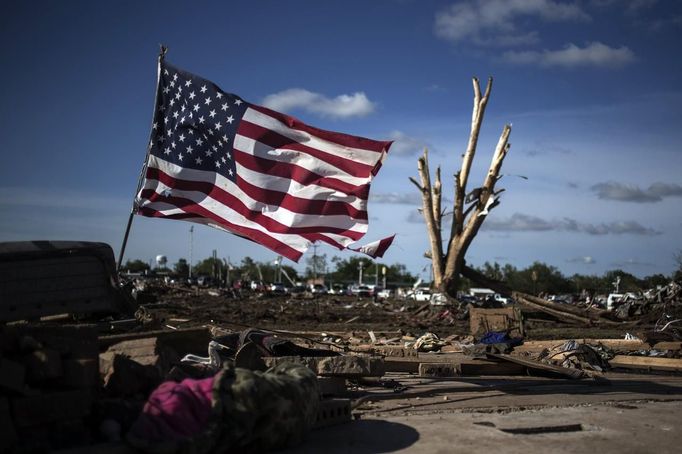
{"points": [[448, 264]]}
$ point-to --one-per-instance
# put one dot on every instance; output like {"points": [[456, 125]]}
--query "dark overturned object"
{"points": [[43, 278]]}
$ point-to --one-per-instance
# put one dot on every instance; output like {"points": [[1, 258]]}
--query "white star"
{"points": [[182, 109], [217, 163], [223, 159], [188, 83], [199, 141], [167, 150], [190, 149], [203, 88], [182, 137], [230, 171], [172, 101], [208, 101], [238, 102], [230, 119], [225, 138], [209, 152], [217, 126], [224, 106], [175, 77], [219, 95], [165, 71], [229, 156], [170, 133], [214, 148], [201, 119], [180, 156], [191, 115], [166, 90], [173, 144], [177, 95], [198, 160], [156, 125], [196, 107], [179, 88], [192, 95], [211, 114], [172, 83], [182, 119], [176, 115]]}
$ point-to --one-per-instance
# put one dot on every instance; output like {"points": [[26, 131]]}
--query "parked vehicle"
{"points": [[318, 289], [422, 295], [278, 288], [337, 289], [361, 291], [385, 294]]}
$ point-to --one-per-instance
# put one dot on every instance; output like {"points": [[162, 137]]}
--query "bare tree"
{"points": [[448, 263]]}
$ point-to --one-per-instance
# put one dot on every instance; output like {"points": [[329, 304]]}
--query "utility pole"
{"points": [[191, 238], [383, 271], [376, 274], [360, 274], [315, 261]]}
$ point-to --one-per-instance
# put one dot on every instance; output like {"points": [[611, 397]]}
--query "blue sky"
{"points": [[592, 89]]}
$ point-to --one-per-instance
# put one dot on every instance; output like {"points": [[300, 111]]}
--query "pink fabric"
{"points": [[176, 411]]}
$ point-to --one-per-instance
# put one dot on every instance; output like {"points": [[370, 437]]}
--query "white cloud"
{"points": [[628, 193], [342, 106], [519, 222], [411, 198], [594, 54], [404, 145], [492, 22], [586, 260]]}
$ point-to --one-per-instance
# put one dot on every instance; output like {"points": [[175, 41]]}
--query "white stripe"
{"points": [[274, 212], [294, 241], [310, 192], [301, 159], [356, 154]]}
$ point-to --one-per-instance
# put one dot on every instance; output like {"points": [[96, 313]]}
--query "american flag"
{"points": [[218, 160]]}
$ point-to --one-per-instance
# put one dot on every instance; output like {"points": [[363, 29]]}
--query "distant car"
{"points": [[278, 288], [438, 299], [421, 295], [385, 294], [337, 289], [318, 289], [361, 290]]}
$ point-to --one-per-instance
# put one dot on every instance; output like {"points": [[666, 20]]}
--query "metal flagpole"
{"points": [[162, 53]]}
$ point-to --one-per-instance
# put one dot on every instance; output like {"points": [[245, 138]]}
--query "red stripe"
{"points": [[336, 137], [283, 199], [254, 216], [248, 233], [275, 140], [298, 174]]}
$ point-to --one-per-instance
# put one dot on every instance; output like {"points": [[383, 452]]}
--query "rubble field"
{"points": [[391, 375]]}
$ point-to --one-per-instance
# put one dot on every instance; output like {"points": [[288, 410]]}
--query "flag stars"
{"points": [[199, 142], [176, 115], [181, 138], [230, 119], [224, 106], [155, 125], [208, 101], [230, 172], [212, 114], [166, 90], [219, 95], [209, 152], [198, 161], [169, 132], [175, 77], [217, 164], [190, 149], [172, 101], [172, 84], [177, 95], [188, 83], [196, 107], [218, 126], [173, 144], [224, 138], [203, 89], [182, 109], [180, 156], [238, 102], [202, 120], [167, 150], [192, 95]]}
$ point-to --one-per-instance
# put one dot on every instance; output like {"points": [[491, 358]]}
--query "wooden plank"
{"points": [[647, 363], [616, 344], [541, 367], [504, 319]]}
